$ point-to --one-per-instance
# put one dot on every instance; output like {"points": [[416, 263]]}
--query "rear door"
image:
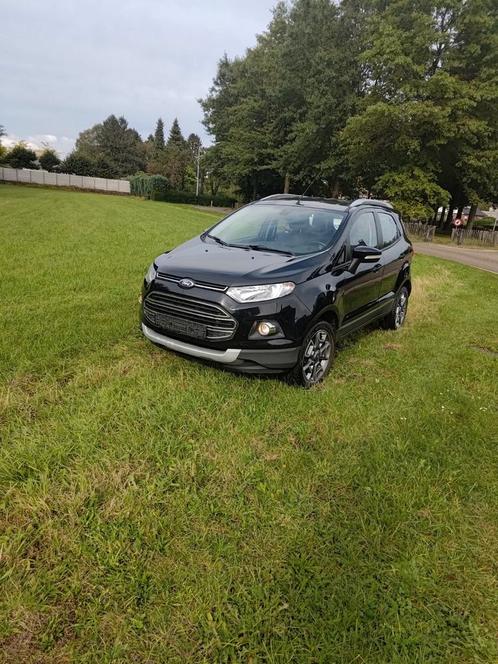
{"points": [[393, 251]]}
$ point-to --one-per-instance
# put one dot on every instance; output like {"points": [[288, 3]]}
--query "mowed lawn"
{"points": [[155, 509]]}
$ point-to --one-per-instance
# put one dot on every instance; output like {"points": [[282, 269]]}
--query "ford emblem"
{"points": [[186, 283]]}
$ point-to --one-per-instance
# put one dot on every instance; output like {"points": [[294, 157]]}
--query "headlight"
{"points": [[260, 293], [151, 274]]}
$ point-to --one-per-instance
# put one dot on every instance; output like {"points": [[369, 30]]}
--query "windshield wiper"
{"points": [[217, 239], [226, 244], [262, 247]]}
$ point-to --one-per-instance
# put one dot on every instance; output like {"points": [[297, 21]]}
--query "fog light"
{"points": [[266, 329]]}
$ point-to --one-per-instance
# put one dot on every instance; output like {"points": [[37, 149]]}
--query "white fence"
{"points": [[63, 180]]}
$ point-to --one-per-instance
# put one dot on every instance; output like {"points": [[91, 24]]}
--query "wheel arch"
{"points": [[404, 278], [329, 314]]}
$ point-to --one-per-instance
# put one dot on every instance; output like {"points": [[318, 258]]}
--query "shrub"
{"points": [[21, 157], [49, 160], [149, 186], [76, 164], [173, 196], [156, 187]]}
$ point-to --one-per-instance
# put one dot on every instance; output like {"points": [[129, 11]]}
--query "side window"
{"points": [[363, 231], [389, 229]]}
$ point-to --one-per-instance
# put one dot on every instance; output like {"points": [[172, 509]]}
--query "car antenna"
{"points": [[301, 196]]}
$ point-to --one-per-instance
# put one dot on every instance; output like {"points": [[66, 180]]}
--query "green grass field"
{"points": [[154, 509]]}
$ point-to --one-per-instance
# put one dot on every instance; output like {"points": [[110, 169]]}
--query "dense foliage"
{"points": [[78, 164], [113, 149], [148, 186], [393, 98], [175, 196], [157, 188], [49, 161], [21, 156], [3, 150]]}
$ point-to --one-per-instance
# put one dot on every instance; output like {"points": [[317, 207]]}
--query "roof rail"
{"points": [[276, 197], [371, 201], [300, 197]]}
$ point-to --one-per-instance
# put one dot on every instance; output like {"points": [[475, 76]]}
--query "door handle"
{"points": [[377, 267]]}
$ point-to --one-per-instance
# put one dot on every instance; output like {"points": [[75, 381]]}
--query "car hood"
{"points": [[203, 259]]}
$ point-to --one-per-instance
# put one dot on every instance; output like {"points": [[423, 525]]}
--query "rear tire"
{"points": [[395, 319], [315, 357]]}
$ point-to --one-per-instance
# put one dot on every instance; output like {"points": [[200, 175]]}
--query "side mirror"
{"points": [[366, 254], [363, 254]]}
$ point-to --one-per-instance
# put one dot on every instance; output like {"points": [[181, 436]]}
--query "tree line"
{"points": [[389, 98], [113, 149]]}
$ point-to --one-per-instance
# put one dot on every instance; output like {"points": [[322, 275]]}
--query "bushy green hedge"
{"points": [[156, 187], [172, 196], [148, 186]]}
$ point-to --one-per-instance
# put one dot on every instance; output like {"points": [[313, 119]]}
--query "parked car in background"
{"points": [[274, 285]]}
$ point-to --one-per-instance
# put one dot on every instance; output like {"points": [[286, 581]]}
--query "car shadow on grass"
{"points": [[282, 376]]}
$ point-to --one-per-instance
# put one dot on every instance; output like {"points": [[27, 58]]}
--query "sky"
{"points": [[67, 64]]}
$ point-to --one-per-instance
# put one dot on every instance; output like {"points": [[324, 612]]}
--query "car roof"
{"points": [[327, 203]]}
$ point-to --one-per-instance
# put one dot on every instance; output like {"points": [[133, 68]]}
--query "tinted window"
{"points": [[388, 228], [297, 229], [363, 231]]}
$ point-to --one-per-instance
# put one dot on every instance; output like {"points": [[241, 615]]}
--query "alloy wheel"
{"points": [[401, 307], [316, 356]]}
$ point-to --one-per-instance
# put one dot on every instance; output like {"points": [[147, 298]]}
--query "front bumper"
{"points": [[247, 360]]}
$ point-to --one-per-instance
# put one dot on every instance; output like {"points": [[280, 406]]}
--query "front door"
{"points": [[361, 288]]}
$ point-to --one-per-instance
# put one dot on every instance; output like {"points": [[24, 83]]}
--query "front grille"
{"points": [[164, 276], [219, 323]]}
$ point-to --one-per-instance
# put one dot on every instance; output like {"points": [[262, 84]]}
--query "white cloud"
{"points": [[138, 58], [38, 142]]}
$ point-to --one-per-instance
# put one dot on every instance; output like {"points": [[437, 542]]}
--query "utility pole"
{"points": [[198, 171]]}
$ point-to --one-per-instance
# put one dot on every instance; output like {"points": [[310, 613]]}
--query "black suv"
{"points": [[270, 288]]}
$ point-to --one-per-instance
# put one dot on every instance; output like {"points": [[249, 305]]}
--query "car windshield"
{"points": [[289, 229]]}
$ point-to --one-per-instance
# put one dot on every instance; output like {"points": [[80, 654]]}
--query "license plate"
{"points": [[187, 328]]}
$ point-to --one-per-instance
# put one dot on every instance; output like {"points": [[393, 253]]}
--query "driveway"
{"points": [[484, 259]]}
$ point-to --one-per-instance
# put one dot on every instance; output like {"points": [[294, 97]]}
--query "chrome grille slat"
{"points": [[219, 323], [189, 302], [176, 310]]}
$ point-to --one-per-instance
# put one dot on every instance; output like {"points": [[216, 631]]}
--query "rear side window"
{"points": [[389, 229], [363, 231]]}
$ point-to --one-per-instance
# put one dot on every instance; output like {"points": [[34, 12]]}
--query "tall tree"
{"points": [[275, 113], [175, 135], [87, 143], [159, 136], [174, 160], [121, 146], [424, 99], [371, 94], [117, 148]]}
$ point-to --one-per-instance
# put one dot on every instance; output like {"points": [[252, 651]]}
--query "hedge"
{"points": [[172, 196], [156, 187]]}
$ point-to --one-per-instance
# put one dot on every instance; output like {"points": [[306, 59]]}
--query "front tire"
{"points": [[316, 356], [395, 319]]}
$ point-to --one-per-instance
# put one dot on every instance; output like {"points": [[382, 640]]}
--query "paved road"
{"points": [[485, 259]]}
